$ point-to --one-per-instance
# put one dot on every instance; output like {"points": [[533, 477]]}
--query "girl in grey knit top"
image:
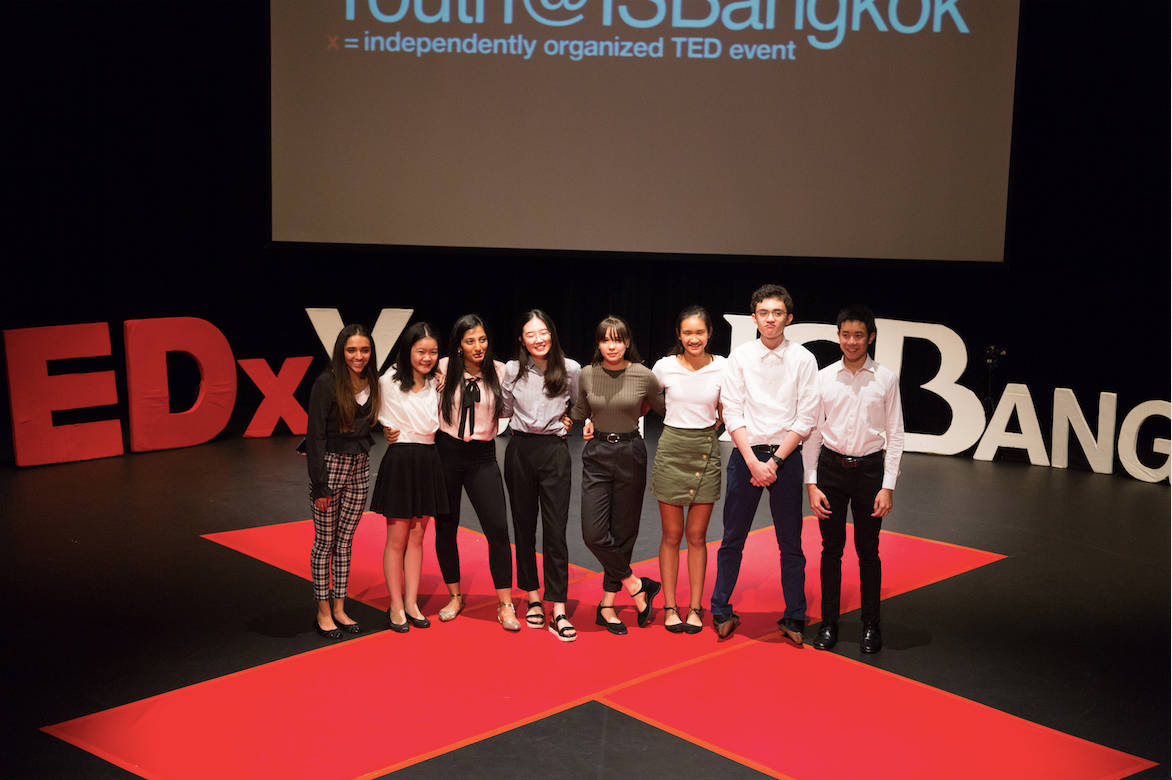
{"points": [[614, 392]]}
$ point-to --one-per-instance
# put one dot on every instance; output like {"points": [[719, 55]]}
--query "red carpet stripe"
{"points": [[812, 714], [392, 700]]}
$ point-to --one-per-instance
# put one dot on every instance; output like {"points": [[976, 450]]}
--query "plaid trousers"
{"points": [[348, 475]]}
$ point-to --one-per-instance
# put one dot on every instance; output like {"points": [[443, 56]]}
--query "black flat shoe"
{"points": [[349, 628], [649, 587], [688, 627], [617, 628], [398, 628], [675, 628], [331, 633], [417, 622]]}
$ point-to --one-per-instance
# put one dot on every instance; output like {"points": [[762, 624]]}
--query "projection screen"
{"points": [[817, 128]]}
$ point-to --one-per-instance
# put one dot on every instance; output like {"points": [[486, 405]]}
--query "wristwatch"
{"points": [[779, 461]]}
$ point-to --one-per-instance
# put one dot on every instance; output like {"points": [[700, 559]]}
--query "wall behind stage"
{"points": [[138, 188]]}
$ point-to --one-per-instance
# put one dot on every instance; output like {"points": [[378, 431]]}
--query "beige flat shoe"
{"points": [[506, 615], [450, 613]]}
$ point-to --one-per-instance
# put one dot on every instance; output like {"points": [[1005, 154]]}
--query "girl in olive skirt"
{"points": [[685, 477]]}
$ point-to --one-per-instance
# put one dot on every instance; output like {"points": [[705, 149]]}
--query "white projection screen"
{"points": [[816, 128]]}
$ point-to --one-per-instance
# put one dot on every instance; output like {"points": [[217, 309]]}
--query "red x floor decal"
{"points": [[393, 700]]}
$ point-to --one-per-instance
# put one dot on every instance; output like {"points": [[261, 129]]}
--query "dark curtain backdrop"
{"points": [[136, 185]]}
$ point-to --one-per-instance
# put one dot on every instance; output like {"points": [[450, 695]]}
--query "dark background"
{"points": [[136, 185]]}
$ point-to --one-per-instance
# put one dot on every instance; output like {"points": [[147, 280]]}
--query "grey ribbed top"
{"points": [[614, 399]]}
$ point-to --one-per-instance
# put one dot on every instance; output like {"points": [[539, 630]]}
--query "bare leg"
{"points": [[633, 585], [697, 531], [413, 565], [607, 603], [393, 566], [324, 619], [340, 616], [671, 518]]}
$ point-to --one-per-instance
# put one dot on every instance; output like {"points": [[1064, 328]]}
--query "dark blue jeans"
{"points": [[740, 504]]}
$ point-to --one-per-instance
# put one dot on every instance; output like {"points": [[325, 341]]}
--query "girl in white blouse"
{"points": [[686, 473], [409, 490]]}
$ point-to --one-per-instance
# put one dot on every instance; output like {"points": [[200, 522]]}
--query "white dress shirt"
{"points": [[691, 396], [770, 392], [859, 414], [414, 414]]}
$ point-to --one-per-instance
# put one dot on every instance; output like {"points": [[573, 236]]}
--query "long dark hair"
{"points": [[402, 371], [616, 327], [343, 388], [455, 375], [691, 311], [555, 359]]}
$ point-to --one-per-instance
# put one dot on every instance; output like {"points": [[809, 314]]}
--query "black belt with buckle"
{"points": [[769, 449], [851, 461], [615, 438]]}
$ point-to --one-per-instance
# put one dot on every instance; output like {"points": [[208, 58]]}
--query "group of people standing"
{"points": [[440, 417]]}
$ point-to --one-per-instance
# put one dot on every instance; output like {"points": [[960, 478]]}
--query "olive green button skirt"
{"points": [[687, 466]]}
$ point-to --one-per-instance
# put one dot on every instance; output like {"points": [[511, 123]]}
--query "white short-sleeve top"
{"points": [[691, 396]]}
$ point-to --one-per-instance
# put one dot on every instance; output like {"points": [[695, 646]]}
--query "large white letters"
{"points": [[390, 323], [1015, 398]]}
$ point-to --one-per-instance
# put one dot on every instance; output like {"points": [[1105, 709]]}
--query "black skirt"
{"points": [[410, 483]]}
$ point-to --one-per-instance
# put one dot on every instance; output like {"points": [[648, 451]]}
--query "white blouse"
{"points": [[414, 414], [691, 396]]}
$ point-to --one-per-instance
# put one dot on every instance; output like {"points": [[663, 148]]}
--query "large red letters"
{"points": [[34, 394], [153, 426]]}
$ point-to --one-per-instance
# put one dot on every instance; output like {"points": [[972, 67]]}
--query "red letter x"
{"points": [[333, 44], [278, 396]]}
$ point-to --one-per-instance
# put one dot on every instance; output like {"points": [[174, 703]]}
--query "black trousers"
{"points": [[854, 486], [614, 477], [537, 474], [471, 465]]}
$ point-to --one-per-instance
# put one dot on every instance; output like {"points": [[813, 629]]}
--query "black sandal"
{"points": [[566, 633], [688, 627], [675, 628], [535, 619]]}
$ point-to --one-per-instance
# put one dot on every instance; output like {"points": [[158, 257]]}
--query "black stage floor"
{"points": [[116, 597]]}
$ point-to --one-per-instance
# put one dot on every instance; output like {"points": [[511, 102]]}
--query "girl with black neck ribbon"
{"points": [[470, 407]]}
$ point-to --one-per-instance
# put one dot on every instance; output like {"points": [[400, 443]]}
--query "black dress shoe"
{"points": [[398, 628], [872, 641], [792, 629], [349, 628], [330, 633], [726, 624], [648, 587], [418, 622], [827, 636], [617, 629]]}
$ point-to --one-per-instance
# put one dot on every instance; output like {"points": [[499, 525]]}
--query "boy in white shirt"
{"points": [[852, 459], [769, 397]]}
